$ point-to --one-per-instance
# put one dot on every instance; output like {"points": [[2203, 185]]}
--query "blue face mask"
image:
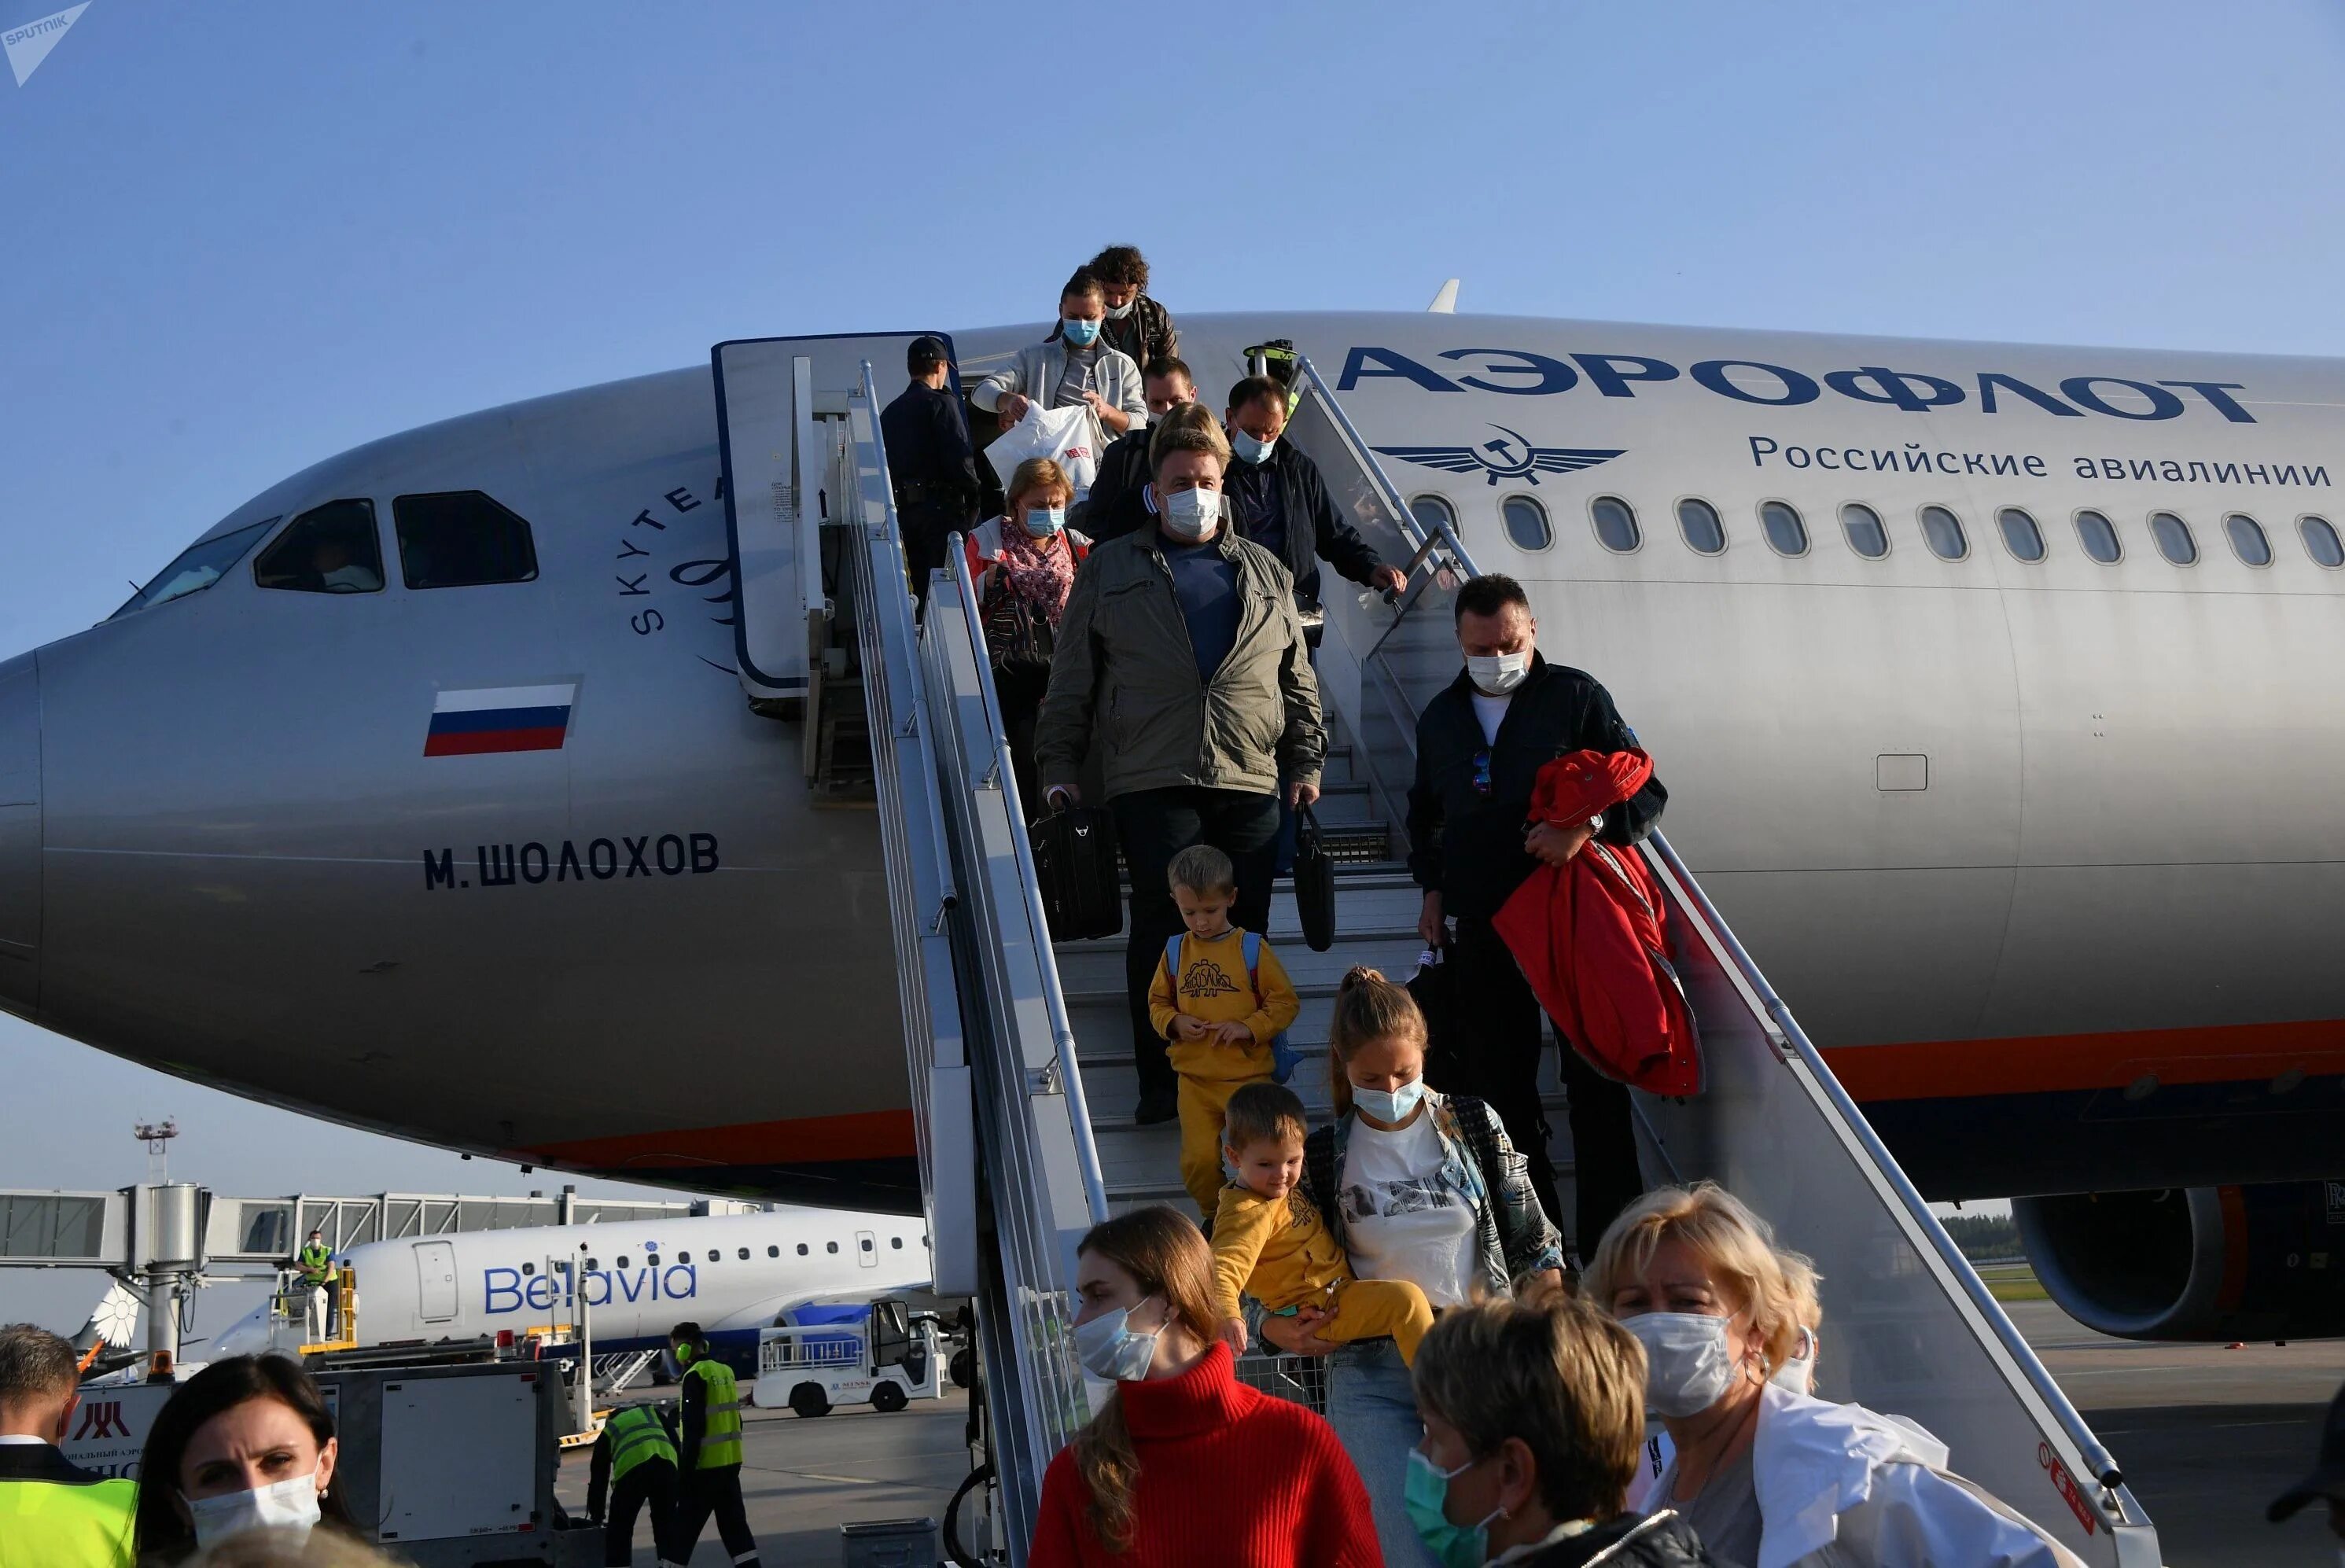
{"points": [[1249, 450], [1082, 334], [1427, 1498], [1389, 1105], [1110, 1351], [1043, 521]]}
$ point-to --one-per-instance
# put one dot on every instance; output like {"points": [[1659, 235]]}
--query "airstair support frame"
{"points": [[940, 750], [1911, 1327]]}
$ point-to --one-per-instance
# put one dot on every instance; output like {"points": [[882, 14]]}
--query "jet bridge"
{"points": [[1000, 1049]]}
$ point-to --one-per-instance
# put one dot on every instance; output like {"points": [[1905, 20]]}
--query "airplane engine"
{"points": [[2224, 1263]]}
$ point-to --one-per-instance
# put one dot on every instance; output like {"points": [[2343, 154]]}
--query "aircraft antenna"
{"points": [[157, 1136]]}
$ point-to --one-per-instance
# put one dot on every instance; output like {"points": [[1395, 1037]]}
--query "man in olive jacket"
{"points": [[1180, 649]]}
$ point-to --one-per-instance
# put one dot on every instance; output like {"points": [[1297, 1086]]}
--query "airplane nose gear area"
{"points": [[20, 835]]}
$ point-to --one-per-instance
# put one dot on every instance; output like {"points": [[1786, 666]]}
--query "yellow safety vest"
{"points": [[720, 1434], [58, 1524], [317, 1266], [635, 1435]]}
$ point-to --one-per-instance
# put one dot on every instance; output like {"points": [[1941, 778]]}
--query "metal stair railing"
{"points": [[1042, 1186], [1913, 1329]]}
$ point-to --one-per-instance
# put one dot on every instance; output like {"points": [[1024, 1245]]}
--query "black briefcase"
{"points": [[1315, 883], [1074, 859]]}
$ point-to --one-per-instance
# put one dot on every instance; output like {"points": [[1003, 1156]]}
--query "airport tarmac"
{"points": [[2206, 1437]]}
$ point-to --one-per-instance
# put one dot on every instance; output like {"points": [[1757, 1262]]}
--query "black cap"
{"points": [[689, 1332], [2328, 1477]]}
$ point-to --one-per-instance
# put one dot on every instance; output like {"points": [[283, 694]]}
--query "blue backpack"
{"points": [[1282, 1056]]}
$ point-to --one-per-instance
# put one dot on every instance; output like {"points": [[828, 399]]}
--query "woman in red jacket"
{"points": [[1182, 1464]]}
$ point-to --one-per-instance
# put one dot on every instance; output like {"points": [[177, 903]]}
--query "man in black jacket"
{"points": [[929, 461], [1114, 507], [1282, 503], [1480, 745]]}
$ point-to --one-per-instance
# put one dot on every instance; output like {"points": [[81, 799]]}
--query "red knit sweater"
{"points": [[1228, 1477]]}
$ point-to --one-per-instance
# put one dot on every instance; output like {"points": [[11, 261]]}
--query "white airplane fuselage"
{"points": [[2044, 852], [732, 1274]]}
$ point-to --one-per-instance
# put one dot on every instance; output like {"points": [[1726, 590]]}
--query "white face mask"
{"points": [[1193, 514], [1798, 1373], [288, 1505], [1112, 1350], [1117, 312], [1497, 673], [1686, 1365]]}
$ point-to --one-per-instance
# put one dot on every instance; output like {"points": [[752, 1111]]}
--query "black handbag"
{"points": [[1075, 860], [1315, 883]]}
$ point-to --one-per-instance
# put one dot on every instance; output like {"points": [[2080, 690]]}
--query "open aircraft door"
{"points": [[770, 393]]}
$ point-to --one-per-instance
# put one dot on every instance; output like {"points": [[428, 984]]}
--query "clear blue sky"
{"points": [[238, 237]]}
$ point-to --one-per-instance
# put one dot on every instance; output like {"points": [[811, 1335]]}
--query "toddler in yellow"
{"points": [[1218, 1013], [1270, 1241]]}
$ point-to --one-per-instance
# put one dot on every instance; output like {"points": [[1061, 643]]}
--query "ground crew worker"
{"points": [[708, 1457], [929, 462], [316, 1264], [635, 1457], [53, 1512]]}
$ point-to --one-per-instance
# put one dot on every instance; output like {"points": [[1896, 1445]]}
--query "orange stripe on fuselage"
{"points": [[802, 1140], [2051, 1064]]}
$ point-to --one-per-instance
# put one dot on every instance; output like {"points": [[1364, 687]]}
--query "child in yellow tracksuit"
{"points": [[1271, 1241], [1219, 1016]]}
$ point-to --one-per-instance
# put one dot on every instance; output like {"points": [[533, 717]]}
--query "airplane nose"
{"points": [[20, 835]]}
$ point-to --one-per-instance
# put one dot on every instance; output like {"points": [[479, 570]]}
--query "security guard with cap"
{"points": [[634, 1463], [709, 1456], [53, 1512], [315, 1262], [929, 461]]}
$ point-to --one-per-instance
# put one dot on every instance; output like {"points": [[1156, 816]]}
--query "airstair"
{"points": [[1019, 1054]]}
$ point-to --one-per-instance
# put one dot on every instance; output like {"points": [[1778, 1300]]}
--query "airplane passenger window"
{"points": [[1865, 534], [593, 1264], [329, 548], [2173, 536], [1781, 522], [2098, 535], [1526, 522], [197, 567], [528, 1269], [2020, 534], [831, 1246], [1698, 521], [743, 1253], [1942, 530], [1432, 513], [866, 1244], [1616, 523], [802, 1249], [2248, 541], [897, 1242], [2320, 541], [461, 539], [623, 1262]]}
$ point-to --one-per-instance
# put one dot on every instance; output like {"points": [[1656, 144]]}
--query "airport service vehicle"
{"points": [[735, 1275], [880, 1355]]}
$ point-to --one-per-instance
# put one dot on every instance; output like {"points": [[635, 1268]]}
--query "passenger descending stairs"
{"points": [[1377, 909]]}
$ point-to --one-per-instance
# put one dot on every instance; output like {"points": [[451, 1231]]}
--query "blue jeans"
{"points": [[1373, 1411]]}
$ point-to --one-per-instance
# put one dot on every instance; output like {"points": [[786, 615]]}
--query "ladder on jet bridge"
{"points": [[1012, 1171]]}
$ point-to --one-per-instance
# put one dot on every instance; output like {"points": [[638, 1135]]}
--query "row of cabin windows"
{"points": [[741, 1253], [455, 538], [1614, 521]]}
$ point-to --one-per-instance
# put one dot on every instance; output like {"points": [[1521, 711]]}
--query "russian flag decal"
{"points": [[499, 719]]}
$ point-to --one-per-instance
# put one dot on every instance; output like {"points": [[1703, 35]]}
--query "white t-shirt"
{"points": [[1401, 1221], [1492, 711]]}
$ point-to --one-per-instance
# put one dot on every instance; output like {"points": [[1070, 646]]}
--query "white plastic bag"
{"points": [[1068, 437]]}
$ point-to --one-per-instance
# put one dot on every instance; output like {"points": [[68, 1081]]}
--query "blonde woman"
{"points": [[1022, 565], [1182, 1464], [1694, 1275]]}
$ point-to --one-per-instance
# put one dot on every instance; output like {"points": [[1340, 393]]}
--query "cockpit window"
{"points": [[329, 548], [461, 539], [197, 567]]}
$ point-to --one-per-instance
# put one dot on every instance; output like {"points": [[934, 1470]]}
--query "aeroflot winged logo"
{"points": [[1510, 458]]}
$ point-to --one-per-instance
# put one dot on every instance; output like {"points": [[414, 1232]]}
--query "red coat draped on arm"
{"points": [[1592, 936]]}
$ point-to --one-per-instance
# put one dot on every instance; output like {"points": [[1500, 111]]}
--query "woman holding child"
{"points": [[1022, 566], [1416, 1185], [1183, 1464]]}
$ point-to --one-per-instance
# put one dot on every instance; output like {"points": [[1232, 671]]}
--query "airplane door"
{"points": [[866, 1249], [771, 393], [436, 1281]]}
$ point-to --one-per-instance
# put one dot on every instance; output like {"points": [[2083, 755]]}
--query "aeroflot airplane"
{"points": [[1994, 685], [732, 1274]]}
